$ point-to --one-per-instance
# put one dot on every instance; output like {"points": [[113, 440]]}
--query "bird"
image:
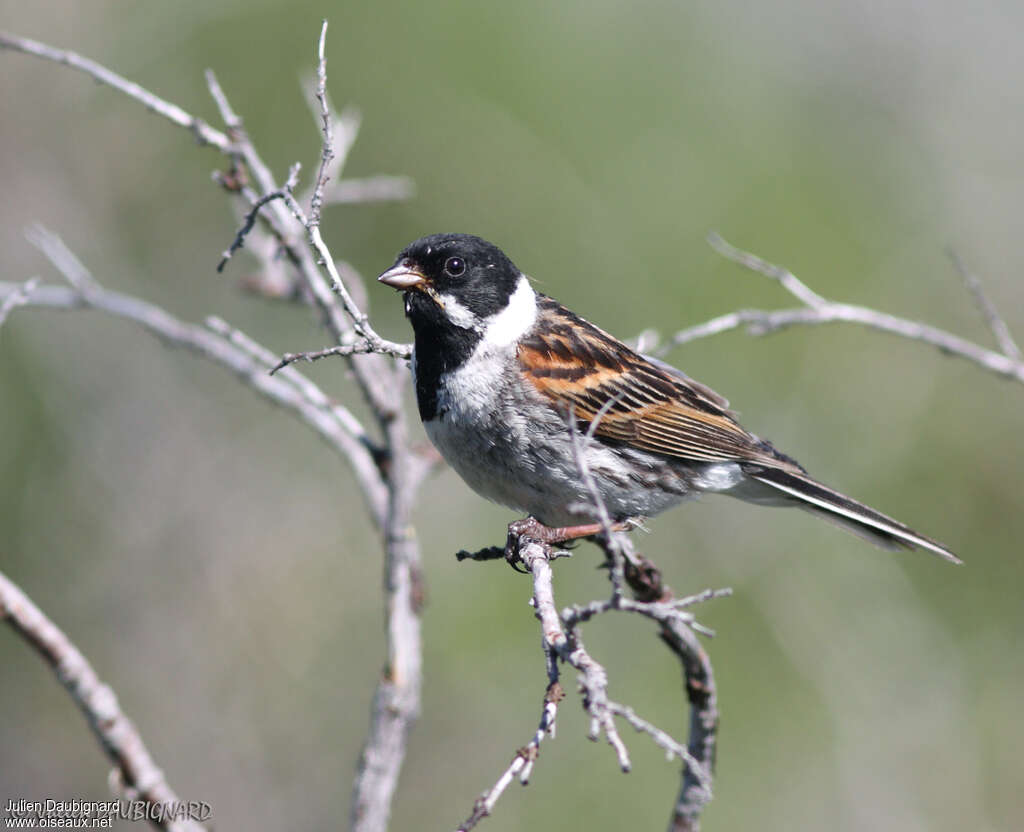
{"points": [[521, 396]]}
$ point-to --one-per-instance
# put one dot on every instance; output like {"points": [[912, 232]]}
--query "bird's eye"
{"points": [[455, 266]]}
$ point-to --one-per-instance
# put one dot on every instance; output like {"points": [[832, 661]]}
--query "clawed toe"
{"points": [[530, 528]]}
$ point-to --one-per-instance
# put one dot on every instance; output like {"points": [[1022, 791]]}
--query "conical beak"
{"points": [[403, 276]]}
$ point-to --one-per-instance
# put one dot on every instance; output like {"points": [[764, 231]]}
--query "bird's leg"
{"points": [[530, 528]]}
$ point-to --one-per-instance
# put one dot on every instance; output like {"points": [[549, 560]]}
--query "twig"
{"points": [[820, 311], [699, 683], [115, 731], [202, 130], [370, 189], [344, 434], [789, 281], [389, 479], [360, 321], [250, 217], [327, 150], [562, 641], [64, 259], [569, 647], [988, 309], [18, 296], [522, 763], [378, 383], [613, 549], [361, 347], [303, 385]]}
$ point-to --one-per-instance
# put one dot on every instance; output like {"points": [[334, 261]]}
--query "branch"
{"points": [[371, 189], [327, 151], [250, 217], [203, 132], [389, 470], [562, 641], [17, 296], [333, 423], [117, 734], [818, 310], [359, 347], [379, 383], [522, 763], [988, 309]]}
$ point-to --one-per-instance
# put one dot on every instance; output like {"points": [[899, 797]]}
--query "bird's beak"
{"points": [[403, 276]]}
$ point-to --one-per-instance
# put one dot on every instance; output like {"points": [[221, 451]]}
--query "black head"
{"points": [[457, 279], [460, 292]]}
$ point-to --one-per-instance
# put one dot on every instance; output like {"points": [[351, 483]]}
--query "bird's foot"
{"points": [[530, 528]]}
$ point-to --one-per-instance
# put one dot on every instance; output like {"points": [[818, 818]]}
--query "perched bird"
{"points": [[510, 384]]}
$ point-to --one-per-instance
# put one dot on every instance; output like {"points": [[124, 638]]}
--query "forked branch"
{"points": [[818, 310]]}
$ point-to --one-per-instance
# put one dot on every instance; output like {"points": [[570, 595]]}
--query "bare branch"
{"points": [[371, 189], [303, 385], [64, 260], [522, 763], [344, 128], [389, 477], [250, 217], [821, 311], [327, 150], [699, 683], [19, 296], [396, 701], [342, 432], [376, 380], [988, 309], [785, 277], [360, 347], [117, 734], [615, 552], [569, 647], [203, 131], [360, 321]]}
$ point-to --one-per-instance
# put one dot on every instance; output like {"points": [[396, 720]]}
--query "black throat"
{"points": [[439, 347]]}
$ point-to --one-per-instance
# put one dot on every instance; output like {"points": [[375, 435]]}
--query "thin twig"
{"points": [[522, 763], [19, 296], [569, 647], [562, 640], [327, 149], [389, 478], [361, 347], [699, 683], [371, 189], [345, 435], [64, 259], [203, 131], [579, 444], [820, 311], [116, 732], [988, 309], [378, 383], [303, 385], [360, 321], [789, 281], [250, 217]]}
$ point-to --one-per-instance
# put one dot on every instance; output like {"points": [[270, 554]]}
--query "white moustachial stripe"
{"points": [[459, 314], [502, 329]]}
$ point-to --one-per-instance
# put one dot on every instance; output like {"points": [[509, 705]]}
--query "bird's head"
{"points": [[462, 281]]}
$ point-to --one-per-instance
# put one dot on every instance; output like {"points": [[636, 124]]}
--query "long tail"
{"points": [[839, 509]]}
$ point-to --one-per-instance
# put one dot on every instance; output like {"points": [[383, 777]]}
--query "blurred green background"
{"points": [[213, 562]]}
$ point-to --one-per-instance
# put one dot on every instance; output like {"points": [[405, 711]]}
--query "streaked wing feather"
{"points": [[580, 367]]}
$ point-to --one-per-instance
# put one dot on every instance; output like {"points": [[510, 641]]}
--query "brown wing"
{"points": [[578, 366]]}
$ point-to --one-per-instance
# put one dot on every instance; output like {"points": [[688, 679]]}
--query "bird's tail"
{"points": [[844, 512]]}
